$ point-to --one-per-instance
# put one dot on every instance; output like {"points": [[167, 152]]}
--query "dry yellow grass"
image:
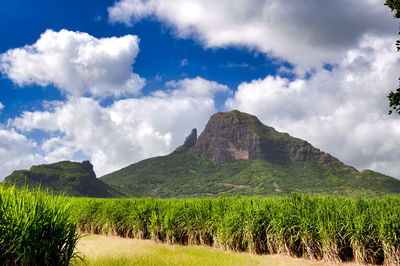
{"points": [[111, 250]]}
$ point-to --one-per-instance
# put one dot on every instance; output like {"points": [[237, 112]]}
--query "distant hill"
{"points": [[71, 178], [237, 155]]}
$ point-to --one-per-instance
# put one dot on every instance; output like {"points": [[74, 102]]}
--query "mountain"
{"points": [[71, 178], [237, 155]]}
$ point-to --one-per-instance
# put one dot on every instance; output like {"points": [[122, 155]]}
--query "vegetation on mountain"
{"points": [[182, 175], [237, 155], [71, 178]]}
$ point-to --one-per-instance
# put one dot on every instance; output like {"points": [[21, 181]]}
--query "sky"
{"points": [[116, 82]]}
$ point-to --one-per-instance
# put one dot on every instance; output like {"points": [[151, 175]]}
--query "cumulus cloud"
{"points": [[1, 107], [126, 131], [342, 111], [76, 63], [16, 152], [305, 33], [196, 87]]}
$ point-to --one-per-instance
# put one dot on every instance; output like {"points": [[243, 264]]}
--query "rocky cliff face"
{"points": [[191, 140], [234, 135]]}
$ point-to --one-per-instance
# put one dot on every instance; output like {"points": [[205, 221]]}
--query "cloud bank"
{"points": [[76, 63], [304, 33]]}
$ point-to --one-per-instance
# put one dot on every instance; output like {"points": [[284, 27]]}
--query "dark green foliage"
{"points": [[35, 228], [71, 178], [183, 175], [394, 5], [316, 227], [394, 97]]}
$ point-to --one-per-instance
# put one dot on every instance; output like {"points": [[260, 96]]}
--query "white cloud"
{"points": [[1, 107], [196, 87], [184, 62], [126, 131], [343, 111], [305, 33], [16, 152], [77, 63]]}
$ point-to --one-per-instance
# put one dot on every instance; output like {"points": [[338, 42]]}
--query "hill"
{"points": [[237, 154], [71, 178]]}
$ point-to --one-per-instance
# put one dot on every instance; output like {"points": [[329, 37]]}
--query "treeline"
{"points": [[314, 227]]}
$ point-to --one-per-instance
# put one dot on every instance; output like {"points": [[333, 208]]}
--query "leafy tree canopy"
{"points": [[394, 5], [394, 97]]}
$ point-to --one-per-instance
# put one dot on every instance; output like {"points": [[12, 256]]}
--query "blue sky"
{"points": [[116, 82], [157, 45]]}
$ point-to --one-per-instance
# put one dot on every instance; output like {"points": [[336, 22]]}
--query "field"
{"points": [[37, 228], [111, 250], [313, 227]]}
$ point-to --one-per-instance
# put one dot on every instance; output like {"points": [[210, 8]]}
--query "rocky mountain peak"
{"points": [[191, 140], [86, 165], [233, 135]]}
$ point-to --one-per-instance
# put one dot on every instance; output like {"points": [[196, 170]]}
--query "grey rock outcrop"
{"points": [[234, 135], [191, 140]]}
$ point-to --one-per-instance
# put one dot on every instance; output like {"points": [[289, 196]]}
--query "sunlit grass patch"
{"points": [[108, 250]]}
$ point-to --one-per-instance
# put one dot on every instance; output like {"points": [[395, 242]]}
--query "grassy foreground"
{"points": [[110, 250], [314, 227], [35, 228]]}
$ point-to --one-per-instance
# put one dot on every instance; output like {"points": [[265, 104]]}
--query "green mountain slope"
{"points": [[182, 175], [71, 178], [237, 155]]}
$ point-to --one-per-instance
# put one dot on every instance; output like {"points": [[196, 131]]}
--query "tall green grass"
{"points": [[316, 227], [35, 228]]}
